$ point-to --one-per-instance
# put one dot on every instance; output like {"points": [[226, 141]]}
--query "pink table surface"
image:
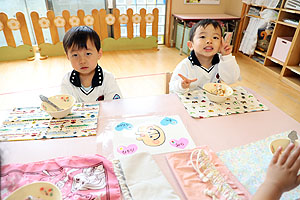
{"points": [[219, 133]]}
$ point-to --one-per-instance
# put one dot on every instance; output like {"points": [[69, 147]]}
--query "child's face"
{"points": [[84, 60], [206, 41]]}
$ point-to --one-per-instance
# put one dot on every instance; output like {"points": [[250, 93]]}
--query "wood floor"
{"points": [[138, 73]]}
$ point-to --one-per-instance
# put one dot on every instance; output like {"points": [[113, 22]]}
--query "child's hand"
{"points": [[185, 83], [283, 169], [225, 48]]}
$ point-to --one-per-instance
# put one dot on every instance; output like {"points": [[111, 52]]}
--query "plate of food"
{"points": [[40, 190]]}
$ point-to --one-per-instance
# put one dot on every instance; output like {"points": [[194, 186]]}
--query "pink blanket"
{"points": [[189, 180], [78, 177]]}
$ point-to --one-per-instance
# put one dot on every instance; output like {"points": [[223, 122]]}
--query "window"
{"points": [[41, 7], [149, 5]]}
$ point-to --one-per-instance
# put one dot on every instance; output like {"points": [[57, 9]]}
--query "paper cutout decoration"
{"points": [[166, 121], [123, 125], [33, 123], [249, 164], [149, 135], [181, 143], [199, 106], [125, 150]]}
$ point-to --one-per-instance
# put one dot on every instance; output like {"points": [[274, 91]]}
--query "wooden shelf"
{"points": [[295, 69], [255, 16], [275, 60], [287, 24], [270, 8], [290, 11], [265, 7], [288, 71], [260, 53], [293, 81], [255, 5], [275, 70]]}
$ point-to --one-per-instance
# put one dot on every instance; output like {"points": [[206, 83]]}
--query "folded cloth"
{"points": [[78, 177], [144, 178], [204, 183]]}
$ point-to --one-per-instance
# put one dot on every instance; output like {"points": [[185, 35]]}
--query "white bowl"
{"points": [[64, 101], [36, 190], [212, 87]]}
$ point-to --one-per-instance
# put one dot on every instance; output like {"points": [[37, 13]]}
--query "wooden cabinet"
{"points": [[289, 70]]}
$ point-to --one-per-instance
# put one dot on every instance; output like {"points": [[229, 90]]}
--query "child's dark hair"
{"points": [[204, 23], [78, 37]]}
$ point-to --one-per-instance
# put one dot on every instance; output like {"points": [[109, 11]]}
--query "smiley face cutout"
{"points": [[151, 135]]}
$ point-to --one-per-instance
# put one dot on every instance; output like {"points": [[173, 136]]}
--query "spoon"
{"points": [[45, 99], [293, 136], [207, 91]]}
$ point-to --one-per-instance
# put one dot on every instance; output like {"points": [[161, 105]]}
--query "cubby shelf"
{"points": [[287, 24], [287, 71], [295, 69], [291, 11], [254, 16], [260, 53], [275, 60]]}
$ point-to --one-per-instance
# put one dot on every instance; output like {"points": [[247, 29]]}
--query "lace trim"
{"points": [[122, 181], [208, 172]]}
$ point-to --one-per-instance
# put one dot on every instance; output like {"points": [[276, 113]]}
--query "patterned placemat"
{"points": [[84, 177], [32, 123], [220, 182], [249, 164], [198, 105]]}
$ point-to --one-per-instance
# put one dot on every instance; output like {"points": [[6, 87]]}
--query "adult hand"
{"points": [[185, 83], [225, 48]]}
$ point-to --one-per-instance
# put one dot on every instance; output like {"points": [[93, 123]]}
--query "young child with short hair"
{"points": [[210, 59], [88, 81]]}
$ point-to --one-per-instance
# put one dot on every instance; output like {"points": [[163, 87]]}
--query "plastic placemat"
{"points": [[32, 123], [249, 164], [198, 105]]}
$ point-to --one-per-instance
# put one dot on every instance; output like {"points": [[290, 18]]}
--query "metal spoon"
{"points": [[207, 91], [293, 136], [45, 99]]}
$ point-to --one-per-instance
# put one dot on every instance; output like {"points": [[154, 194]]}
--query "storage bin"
{"points": [[281, 48], [179, 33]]}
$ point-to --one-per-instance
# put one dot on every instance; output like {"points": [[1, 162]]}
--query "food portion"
{"points": [[218, 90]]}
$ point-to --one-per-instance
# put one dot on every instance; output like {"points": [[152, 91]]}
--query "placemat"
{"points": [[198, 105], [83, 177], [219, 180], [32, 123], [249, 164], [154, 134]]}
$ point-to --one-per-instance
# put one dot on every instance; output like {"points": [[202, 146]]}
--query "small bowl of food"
{"points": [[282, 142], [58, 106], [217, 92], [36, 190]]}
